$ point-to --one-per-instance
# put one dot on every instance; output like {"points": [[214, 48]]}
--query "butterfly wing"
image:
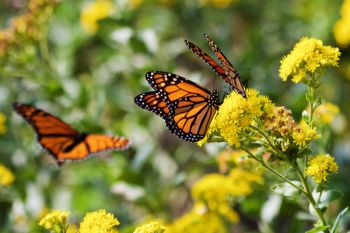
{"points": [[205, 57], [153, 102], [233, 77], [192, 116], [90, 144], [62, 141], [191, 107]]}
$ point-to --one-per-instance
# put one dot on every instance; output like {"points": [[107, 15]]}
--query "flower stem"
{"points": [[307, 192]]}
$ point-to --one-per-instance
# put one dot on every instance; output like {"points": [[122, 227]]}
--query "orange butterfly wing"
{"points": [[62, 141], [153, 102], [226, 71], [191, 107], [234, 78]]}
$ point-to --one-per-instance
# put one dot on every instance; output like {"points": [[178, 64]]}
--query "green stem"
{"points": [[309, 196], [268, 167]]}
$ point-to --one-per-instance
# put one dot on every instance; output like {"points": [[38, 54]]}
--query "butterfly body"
{"points": [[62, 141]]}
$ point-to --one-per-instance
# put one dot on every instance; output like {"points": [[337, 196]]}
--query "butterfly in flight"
{"points": [[186, 108], [226, 70], [62, 141]]}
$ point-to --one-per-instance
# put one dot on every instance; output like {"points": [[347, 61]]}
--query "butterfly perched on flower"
{"points": [[226, 70], [186, 107], [62, 141]]}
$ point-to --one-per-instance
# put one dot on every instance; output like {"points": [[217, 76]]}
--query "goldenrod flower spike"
{"points": [[152, 227], [99, 222], [320, 167], [55, 221], [307, 56]]}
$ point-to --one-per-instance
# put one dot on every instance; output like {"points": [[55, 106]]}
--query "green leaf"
{"points": [[286, 189], [337, 221], [317, 229], [326, 197]]}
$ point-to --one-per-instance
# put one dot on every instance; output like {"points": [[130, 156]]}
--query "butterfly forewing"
{"points": [[152, 101]]}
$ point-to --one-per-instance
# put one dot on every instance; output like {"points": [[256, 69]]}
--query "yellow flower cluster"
{"points": [[326, 112], [341, 28], [93, 12], [6, 176], [285, 132], [243, 181], [99, 222], [304, 134], [55, 221], [237, 114], [198, 220], [320, 167], [307, 55], [152, 227], [2, 123], [216, 3], [27, 27]]}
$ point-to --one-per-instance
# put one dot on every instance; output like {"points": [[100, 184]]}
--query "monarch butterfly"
{"points": [[186, 107], [62, 141], [226, 71]]}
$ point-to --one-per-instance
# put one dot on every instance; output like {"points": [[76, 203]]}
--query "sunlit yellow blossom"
{"points": [[6, 176], [304, 134], [198, 220], [236, 114], [99, 222], [152, 227], [2, 123], [93, 12], [341, 28], [320, 167], [307, 55], [55, 221], [326, 112], [243, 181]]}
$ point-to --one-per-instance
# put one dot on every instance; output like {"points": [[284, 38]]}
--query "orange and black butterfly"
{"points": [[226, 71], [62, 141], [186, 107]]}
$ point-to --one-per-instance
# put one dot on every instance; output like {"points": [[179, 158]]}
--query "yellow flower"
{"points": [[242, 181], [93, 12], [152, 227], [307, 55], [326, 112], [341, 29], [6, 176], [304, 134], [55, 221], [320, 167], [99, 222], [2, 123], [198, 220], [236, 114]]}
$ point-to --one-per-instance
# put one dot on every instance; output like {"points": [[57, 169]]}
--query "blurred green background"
{"points": [[85, 63]]}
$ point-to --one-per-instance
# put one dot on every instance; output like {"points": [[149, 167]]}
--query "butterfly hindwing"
{"points": [[61, 140]]}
